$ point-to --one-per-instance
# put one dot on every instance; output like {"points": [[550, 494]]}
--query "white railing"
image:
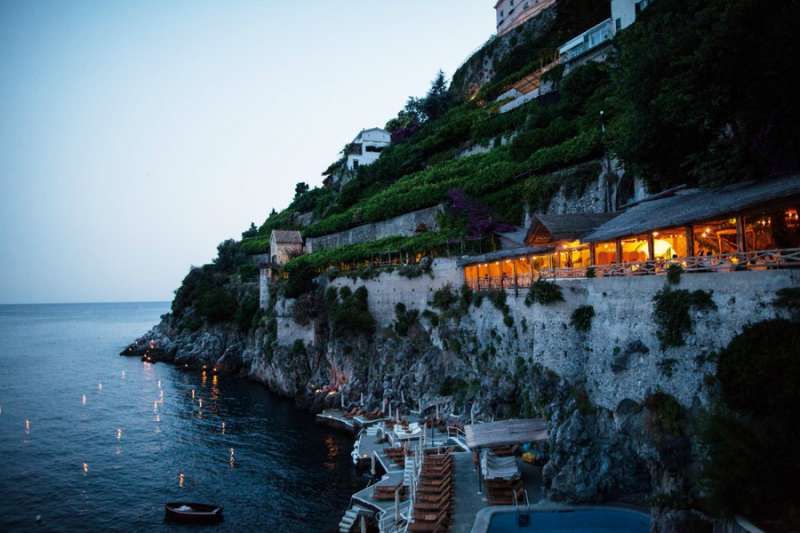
{"points": [[588, 40], [728, 262]]}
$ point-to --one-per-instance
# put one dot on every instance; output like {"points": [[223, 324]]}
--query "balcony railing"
{"points": [[588, 40], [738, 261]]}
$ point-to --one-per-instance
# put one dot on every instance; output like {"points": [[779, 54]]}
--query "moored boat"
{"points": [[195, 513]]}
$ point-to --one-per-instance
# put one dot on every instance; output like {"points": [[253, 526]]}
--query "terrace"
{"points": [[753, 226]]}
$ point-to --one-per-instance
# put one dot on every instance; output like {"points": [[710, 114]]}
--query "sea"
{"points": [[93, 441]]}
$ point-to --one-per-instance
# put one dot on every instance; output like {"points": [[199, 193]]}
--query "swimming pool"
{"points": [[575, 520]]}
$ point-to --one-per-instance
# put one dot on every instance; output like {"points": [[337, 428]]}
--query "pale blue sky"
{"points": [[135, 136]]}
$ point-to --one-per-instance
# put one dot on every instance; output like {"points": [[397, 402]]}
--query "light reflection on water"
{"points": [[227, 442]]}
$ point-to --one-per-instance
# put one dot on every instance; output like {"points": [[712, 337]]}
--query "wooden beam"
{"points": [[741, 241]]}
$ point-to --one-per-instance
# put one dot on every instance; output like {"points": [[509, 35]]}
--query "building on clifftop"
{"points": [[366, 148], [513, 13]]}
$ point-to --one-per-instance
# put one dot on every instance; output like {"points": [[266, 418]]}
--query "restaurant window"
{"points": [[471, 275], [540, 262], [774, 229], [715, 237], [605, 253], [634, 249], [573, 255], [522, 265], [670, 243]]}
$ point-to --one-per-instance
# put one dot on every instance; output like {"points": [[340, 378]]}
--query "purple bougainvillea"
{"points": [[479, 220]]}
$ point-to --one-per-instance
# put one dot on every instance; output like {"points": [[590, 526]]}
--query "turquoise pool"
{"points": [[590, 520]]}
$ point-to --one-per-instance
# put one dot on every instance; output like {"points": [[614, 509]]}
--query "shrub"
{"points": [[754, 460], [349, 314], [246, 312], [498, 298], [298, 349], [466, 296], [404, 319], [217, 305], [432, 317], [444, 298], [674, 272], [508, 320], [582, 317], [671, 313], [544, 293]]}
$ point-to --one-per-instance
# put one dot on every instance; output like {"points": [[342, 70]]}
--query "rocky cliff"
{"points": [[621, 407]]}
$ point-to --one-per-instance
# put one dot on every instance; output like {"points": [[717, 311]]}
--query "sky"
{"points": [[137, 135]]}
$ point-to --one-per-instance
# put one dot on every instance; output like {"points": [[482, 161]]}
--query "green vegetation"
{"points": [[544, 293], [754, 460], [207, 294], [581, 318], [303, 269], [404, 319], [671, 313], [674, 272], [698, 103], [348, 312], [530, 49]]}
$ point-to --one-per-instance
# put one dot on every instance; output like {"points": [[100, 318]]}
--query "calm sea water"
{"points": [[90, 440]]}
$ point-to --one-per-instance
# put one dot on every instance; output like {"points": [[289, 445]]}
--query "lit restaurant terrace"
{"points": [[754, 226]]}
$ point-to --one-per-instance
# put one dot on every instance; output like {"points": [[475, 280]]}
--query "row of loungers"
{"points": [[387, 492], [502, 477], [398, 455], [433, 507]]}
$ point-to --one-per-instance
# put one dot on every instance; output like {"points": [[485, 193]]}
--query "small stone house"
{"points": [[283, 246]]}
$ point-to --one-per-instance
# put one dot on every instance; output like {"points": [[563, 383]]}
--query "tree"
{"points": [[252, 231], [438, 100], [300, 189], [229, 256], [703, 92]]}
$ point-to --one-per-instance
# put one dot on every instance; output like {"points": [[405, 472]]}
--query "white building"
{"points": [[593, 44], [624, 12], [366, 148], [512, 13]]}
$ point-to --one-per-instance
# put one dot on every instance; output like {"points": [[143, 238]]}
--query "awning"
{"points": [[505, 432]]}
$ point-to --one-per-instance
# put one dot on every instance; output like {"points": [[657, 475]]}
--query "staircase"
{"points": [[349, 520]]}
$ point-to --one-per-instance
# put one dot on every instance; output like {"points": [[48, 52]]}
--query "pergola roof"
{"points": [[694, 205], [505, 432], [504, 254]]}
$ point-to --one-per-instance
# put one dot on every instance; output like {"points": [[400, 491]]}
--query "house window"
{"points": [[618, 24], [355, 164]]}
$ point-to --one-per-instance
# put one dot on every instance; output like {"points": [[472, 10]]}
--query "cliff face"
{"points": [[479, 69], [620, 408]]}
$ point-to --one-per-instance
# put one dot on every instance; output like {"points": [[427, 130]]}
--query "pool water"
{"points": [[591, 520]]}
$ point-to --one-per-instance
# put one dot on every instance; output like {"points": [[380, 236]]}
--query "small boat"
{"points": [[193, 513]]}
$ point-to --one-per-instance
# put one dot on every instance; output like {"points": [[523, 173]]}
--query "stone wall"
{"points": [[404, 225], [620, 357], [388, 290]]}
